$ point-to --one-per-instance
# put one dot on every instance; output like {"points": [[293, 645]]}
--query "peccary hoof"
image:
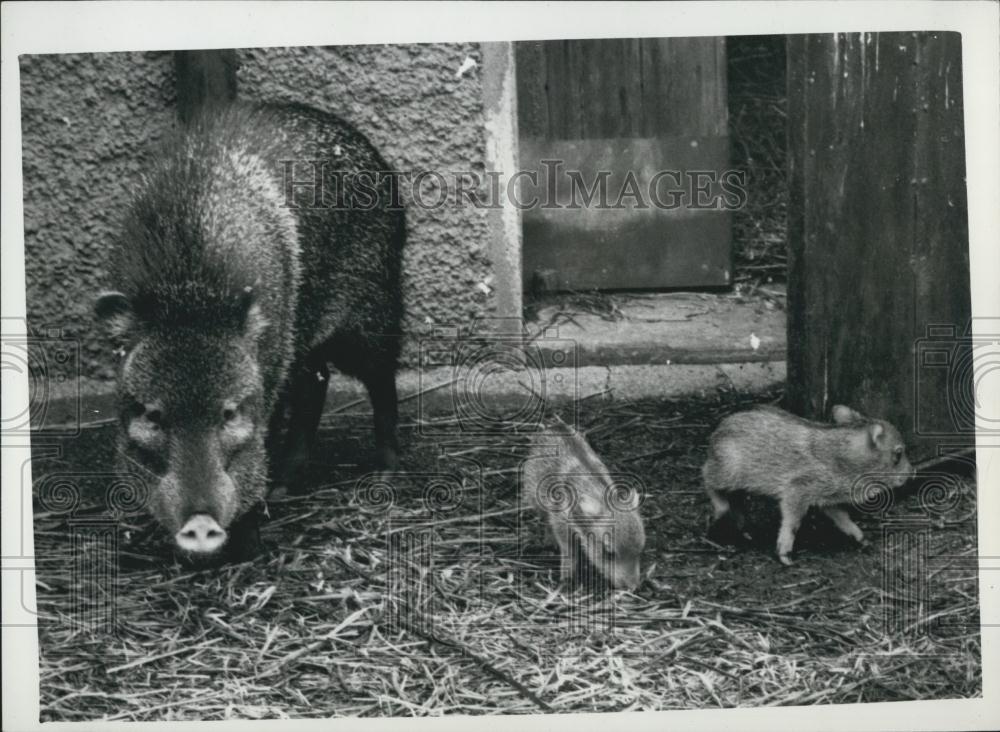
{"points": [[293, 474]]}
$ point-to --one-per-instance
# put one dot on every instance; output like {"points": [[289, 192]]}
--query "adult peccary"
{"points": [[251, 256], [767, 451], [565, 480]]}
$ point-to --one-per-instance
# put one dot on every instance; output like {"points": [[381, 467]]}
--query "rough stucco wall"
{"points": [[408, 101], [90, 121]]}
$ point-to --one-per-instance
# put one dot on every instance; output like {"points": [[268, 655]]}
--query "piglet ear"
{"points": [[875, 433], [845, 415], [115, 311], [589, 506]]}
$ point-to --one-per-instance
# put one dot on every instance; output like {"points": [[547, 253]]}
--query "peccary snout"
{"points": [[201, 535]]}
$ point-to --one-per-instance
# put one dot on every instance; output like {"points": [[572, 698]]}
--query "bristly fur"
{"points": [[211, 220], [230, 284], [565, 480], [767, 451]]}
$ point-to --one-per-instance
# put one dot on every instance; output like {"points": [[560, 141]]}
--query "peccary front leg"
{"points": [[381, 386], [792, 511], [720, 504], [843, 522], [727, 509], [307, 395]]}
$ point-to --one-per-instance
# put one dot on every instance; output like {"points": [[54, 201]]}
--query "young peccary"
{"points": [[565, 480], [251, 256], [770, 452]]}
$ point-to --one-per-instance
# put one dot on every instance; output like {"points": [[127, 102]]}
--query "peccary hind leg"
{"points": [[720, 504], [728, 520], [381, 386], [843, 522], [710, 481]]}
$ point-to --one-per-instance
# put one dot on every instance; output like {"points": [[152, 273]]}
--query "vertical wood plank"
{"points": [[611, 88], [532, 103], [878, 237], [625, 107], [630, 100]]}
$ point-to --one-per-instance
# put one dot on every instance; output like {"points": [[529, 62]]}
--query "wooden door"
{"points": [[624, 108]]}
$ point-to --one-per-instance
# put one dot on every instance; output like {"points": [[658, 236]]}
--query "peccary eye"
{"points": [[897, 455], [145, 426], [237, 424]]}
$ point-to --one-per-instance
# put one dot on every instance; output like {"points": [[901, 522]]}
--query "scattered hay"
{"points": [[344, 615]]}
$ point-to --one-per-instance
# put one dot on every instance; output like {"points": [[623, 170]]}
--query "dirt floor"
{"points": [[447, 601]]}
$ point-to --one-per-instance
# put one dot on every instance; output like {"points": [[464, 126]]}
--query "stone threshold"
{"points": [[634, 346]]}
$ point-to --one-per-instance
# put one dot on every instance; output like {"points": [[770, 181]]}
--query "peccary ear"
{"points": [[254, 321], [845, 415], [875, 433], [115, 311]]}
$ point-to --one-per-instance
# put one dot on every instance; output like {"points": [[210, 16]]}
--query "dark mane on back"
{"points": [[162, 260]]}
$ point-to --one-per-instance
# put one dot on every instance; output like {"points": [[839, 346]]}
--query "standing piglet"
{"points": [[585, 506], [767, 451], [256, 251]]}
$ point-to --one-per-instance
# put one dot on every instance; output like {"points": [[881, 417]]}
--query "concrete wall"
{"points": [[90, 121], [87, 124]]}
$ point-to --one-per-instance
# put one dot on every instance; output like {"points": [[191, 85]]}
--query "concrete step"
{"points": [[634, 346], [670, 328]]}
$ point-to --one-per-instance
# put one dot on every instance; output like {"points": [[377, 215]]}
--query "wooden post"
{"points": [[204, 79], [878, 230]]}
